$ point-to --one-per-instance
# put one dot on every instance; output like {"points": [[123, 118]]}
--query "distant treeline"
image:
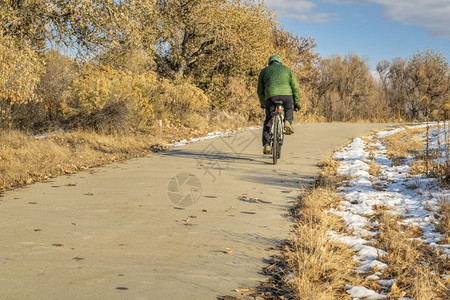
{"points": [[122, 65]]}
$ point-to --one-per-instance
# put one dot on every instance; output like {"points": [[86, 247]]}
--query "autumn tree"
{"points": [[429, 73], [86, 25], [344, 88], [218, 46], [396, 86], [60, 72], [209, 35], [20, 68], [407, 82]]}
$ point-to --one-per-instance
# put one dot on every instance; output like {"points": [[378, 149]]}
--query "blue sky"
{"points": [[373, 29]]}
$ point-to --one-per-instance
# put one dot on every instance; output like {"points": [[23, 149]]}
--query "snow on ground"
{"points": [[210, 135], [415, 197]]}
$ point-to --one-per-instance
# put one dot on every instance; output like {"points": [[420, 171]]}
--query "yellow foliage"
{"points": [[19, 71], [181, 104], [212, 37], [84, 24], [113, 99], [60, 72], [109, 97], [242, 99], [20, 68], [183, 97]]}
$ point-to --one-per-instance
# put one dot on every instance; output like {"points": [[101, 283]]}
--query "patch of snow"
{"points": [[362, 292], [387, 282], [415, 197], [210, 135], [47, 134], [373, 277]]}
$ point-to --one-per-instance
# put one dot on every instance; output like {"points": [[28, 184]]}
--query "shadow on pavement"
{"points": [[205, 156]]}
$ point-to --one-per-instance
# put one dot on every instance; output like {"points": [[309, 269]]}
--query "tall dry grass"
{"points": [[25, 159], [444, 222], [415, 266], [321, 266], [374, 168], [329, 177], [401, 144]]}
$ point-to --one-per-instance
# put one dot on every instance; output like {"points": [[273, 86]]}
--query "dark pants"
{"points": [[288, 105]]}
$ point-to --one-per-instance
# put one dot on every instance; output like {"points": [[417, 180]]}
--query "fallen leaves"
{"points": [[253, 200], [78, 258]]}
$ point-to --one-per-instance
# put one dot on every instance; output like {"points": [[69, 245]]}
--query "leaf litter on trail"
{"points": [[78, 258], [253, 200]]}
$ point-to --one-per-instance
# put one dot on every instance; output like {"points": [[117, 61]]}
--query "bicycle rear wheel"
{"points": [[275, 140], [280, 137]]}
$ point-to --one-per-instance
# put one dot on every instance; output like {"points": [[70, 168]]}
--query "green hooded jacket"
{"points": [[277, 80]]}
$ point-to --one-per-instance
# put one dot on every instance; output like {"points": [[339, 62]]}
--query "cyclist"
{"points": [[277, 82]]}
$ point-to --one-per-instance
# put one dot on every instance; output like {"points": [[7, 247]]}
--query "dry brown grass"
{"points": [[444, 221], [429, 162], [25, 159], [403, 143], [415, 266], [329, 177], [445, 180], [321, 266], [407, 142], [417, 167], [374, 168]]}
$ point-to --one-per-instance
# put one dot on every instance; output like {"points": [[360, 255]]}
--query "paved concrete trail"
{"points": [[113, 232]]}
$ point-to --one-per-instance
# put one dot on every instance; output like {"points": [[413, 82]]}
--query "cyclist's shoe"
{"points": [[267, 149], [288, 128]]}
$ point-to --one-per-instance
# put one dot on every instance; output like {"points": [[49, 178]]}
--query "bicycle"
{"points": [[277, 131]]}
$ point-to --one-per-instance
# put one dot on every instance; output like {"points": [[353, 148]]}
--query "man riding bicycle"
{"points": [[277, 82]]}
